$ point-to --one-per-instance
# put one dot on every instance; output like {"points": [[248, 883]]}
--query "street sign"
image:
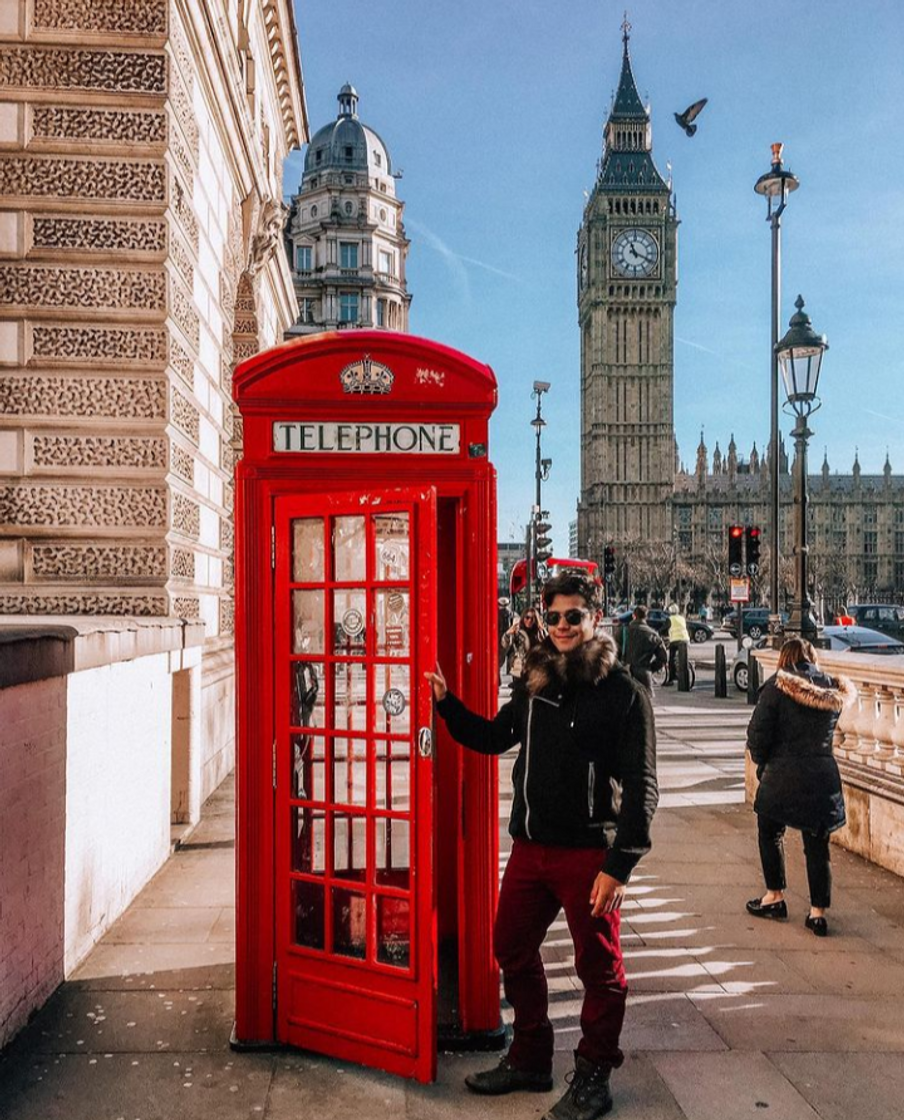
{"points": [[740, 591]]}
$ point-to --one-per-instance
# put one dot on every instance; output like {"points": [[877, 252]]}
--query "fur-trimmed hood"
{"points": [[589, 663], [816, 690]]}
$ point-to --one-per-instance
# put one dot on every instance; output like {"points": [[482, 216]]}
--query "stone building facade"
{"points": [[345, 233], [669, 525], [855, 525], [141, 152], [141, 156]]}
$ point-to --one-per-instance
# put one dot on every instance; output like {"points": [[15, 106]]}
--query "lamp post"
{"points": [[775, 185], [799, 355], [541, 473]]}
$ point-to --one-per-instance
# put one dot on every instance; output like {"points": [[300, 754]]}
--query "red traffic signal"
{"points": [[753, 549], [735, 550]]}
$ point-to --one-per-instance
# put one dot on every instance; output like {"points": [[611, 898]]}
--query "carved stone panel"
{"points": [[186, 516], [182, 464], [64, 452], [181, 206], [185, 607], [227, 616], [115, 603], [80, 562], [185, 416], [96, 289], [99, 235], [83, 506], [120, 16], [100, 126], [184, 313], [61, 178], [94, 345], [100, 71], [182, 564], [125, 398]]}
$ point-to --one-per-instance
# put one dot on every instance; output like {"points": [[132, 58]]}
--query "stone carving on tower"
{"points": [[627, 279], [345, 235]]}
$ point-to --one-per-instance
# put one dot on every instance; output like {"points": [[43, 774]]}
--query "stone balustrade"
{"points": [[869, 747]]}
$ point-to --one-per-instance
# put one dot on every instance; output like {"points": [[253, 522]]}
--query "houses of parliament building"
{"points": [[635, 493]]}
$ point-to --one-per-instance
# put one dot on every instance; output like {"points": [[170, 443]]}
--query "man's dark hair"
{"points": [[640, 613], [569, 584]]}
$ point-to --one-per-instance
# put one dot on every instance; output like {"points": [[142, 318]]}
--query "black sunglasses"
{"points": [[573, 617]]}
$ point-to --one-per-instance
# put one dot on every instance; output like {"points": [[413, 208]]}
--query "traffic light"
{"points": [[542, 539], [735, 550], [753, 549], [608, 562]]}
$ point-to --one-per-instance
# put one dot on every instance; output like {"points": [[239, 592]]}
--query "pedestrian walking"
{"points": [[645, 651], [790, 742], [520, 638], [678, 636], [584, 795]]}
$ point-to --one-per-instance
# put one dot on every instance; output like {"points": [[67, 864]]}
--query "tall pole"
{"points": [[802, 620], [540, 387], [776, 185]]}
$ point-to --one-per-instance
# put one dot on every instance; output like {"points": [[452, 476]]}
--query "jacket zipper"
{"points": [[591, 789], [530, 720]]}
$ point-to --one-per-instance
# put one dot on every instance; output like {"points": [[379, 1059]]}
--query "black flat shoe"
{"points": [[819, 926], [777, 911]]}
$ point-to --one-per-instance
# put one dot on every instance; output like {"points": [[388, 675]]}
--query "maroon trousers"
{"points": [[539, 881]]}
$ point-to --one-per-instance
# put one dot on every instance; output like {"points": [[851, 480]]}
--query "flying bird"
{"points": [[689, 115]]}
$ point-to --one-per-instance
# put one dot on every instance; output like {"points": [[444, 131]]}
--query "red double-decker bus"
{"points": [[554, 567]]}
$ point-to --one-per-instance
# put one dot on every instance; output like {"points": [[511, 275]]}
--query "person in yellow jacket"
{"points": [[678, 636]]}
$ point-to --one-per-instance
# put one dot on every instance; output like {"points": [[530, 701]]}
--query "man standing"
{"points": [[585, 793], [645, 651], [678, 636]]}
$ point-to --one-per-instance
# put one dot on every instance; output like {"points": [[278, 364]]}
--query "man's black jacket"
{"points": [[586, 773]]}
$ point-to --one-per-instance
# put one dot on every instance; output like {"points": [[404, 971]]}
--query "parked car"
{"points": [[659, 620], [756, 621], [842, 639], [887, 618]]}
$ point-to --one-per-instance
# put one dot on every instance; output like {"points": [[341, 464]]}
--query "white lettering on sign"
{"points": [[367, 439]]}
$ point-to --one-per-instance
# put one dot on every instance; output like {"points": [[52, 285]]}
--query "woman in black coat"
{"points": [[790, 742]]}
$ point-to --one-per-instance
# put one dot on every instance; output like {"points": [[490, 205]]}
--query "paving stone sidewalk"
{"points": [[729, 1017]]}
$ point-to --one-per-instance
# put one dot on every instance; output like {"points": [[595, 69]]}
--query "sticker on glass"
{"points": [[391, 559], [352, 622], [394, 701]]}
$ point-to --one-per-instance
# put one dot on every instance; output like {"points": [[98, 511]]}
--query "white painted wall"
{"points": [[118, 792]]}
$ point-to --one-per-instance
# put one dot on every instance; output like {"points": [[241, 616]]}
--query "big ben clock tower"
{"points": [[627, 280]]}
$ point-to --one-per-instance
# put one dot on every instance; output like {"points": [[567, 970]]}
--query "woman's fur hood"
{"points": [[590, 663], [830, 695]]}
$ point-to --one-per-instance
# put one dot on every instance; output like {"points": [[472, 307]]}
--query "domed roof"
{"points": [[348, 145]]}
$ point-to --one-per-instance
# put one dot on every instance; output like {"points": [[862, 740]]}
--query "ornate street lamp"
{"points": [[541, 473], [799, 355], [775, 185]]}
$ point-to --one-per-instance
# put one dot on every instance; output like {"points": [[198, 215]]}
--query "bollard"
{"points": [[753, 678], [721, 672], [684, 680]]}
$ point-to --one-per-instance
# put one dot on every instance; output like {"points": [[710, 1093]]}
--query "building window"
{"points": [[304, 258], [349, 151], [870, 516], [387, 263], [684, 517], [348, 208], [348, 179], [348, 254], [307, 311], [870, 572], [715, 518], [381, 312], [313, 208], [318, 156], [348, 307], [378, 159], [899, 543], [870, 545]]}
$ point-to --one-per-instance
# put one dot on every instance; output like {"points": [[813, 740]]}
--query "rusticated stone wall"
{"points": [[139, 164]]}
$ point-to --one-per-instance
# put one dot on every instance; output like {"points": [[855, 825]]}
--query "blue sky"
{"points": [[494, 110]]}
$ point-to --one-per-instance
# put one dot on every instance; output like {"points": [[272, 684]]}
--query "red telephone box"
{"points": [[367, 839]]}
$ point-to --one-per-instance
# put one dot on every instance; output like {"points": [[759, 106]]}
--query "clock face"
{"points": [[635, 253]]}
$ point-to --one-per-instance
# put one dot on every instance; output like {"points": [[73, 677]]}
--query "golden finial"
{"points": [[626, 28]]}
